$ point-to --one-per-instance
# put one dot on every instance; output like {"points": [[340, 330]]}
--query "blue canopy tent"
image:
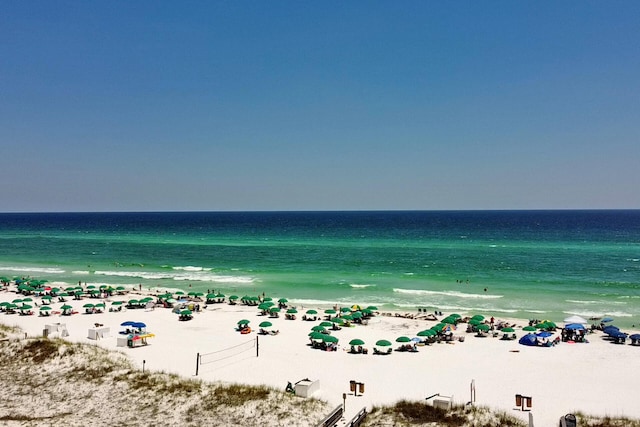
{"points": [[529, 340], [575, 327]]}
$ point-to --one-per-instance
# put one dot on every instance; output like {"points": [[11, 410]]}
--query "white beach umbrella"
{"points": [[576, 319]]}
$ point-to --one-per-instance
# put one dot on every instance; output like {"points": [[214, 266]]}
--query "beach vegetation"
{"points": [[407, 413], [606, 421], [239, 394], [88, 385]]}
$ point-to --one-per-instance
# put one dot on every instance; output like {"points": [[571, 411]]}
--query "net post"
{"points": [[197, 363], [257, 347]]}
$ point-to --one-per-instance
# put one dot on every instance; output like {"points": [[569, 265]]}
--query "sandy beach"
{"points": [[595, 377]]}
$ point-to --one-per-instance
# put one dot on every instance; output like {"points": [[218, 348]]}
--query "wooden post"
{"points": [[257, 347], [197, 363]]}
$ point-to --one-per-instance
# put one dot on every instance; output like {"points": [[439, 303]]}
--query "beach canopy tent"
{"points": [[575, 327], [529, 340]]}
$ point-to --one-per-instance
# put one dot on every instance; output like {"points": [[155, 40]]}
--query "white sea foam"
{"points": [[446, 293], [587, 314], [192, 268], [81, 272], [361, 286], [195, 276], [44, 270], [574, 301]]}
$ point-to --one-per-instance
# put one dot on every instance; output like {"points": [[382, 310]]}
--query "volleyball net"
{"points": [[228, 355]]}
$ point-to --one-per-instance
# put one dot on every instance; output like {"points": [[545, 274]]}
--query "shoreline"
{"points": [[499, 369]]}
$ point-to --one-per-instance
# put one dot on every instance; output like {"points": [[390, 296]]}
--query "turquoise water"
{"points": [[523, 264]]}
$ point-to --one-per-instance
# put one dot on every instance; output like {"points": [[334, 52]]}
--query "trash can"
{"points": [[352, 386], [361, 388], [45, 332], [519, 400], [130, 343]]}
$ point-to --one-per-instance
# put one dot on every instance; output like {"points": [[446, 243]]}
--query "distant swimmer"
{"points": [[485, 289]]}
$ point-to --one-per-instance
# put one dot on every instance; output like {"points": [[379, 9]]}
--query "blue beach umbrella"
{"points": [[575, 327]]}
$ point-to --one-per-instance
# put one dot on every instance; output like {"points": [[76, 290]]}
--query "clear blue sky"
{"points": [[289, 105]]}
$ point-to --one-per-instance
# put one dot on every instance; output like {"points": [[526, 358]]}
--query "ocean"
{"points": [[517, 264]]}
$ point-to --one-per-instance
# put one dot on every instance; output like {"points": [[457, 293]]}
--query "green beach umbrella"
{"points": [[478, 317], [47, 297], [283, 300], [345, 310], [211, 296], [318, 328], [439, 327], [243, 322], [116, 303], [426, 333], [45, 308], [403, 339], [508, 330], [88, 306], [337, 320], [356, 315], [529, 328], [26, 307], [265, 324], [372, 308], [347, 317], [329, 338], [233, 297], [475, 322], [186, 313], [383, 343], [326, 324], [483, 327], [312, 312], [449, 320], [66, 307], [316, 336], [330, 311], [292, 311], [356, 341]]}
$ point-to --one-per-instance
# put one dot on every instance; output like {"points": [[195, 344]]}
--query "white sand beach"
{"points": [[596, 378]]}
